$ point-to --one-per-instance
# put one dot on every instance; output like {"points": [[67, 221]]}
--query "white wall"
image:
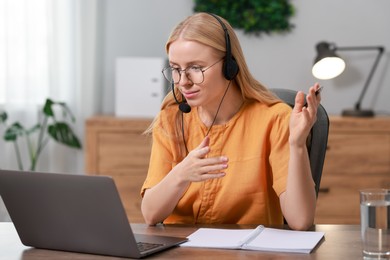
{"points": [[140, 28], [136, 28]]}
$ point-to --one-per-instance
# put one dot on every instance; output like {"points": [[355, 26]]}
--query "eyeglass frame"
{"points": [[185, 71]]}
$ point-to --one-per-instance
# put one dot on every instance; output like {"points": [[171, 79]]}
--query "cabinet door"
{"points": [[340, 204], [353, 162], [123, 152], [125, 156], [116, 147], [358, 153]]}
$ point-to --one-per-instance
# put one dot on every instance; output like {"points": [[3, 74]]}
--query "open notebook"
{"points": [[260, 238], [76, 213]]}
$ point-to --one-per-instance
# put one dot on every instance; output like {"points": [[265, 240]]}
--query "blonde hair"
{"points": [[206, 29]]}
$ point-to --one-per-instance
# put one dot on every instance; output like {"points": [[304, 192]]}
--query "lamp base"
{"points": [[358, 113]]}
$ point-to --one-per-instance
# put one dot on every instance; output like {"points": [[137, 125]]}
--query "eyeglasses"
{"points": [[193, 73]]}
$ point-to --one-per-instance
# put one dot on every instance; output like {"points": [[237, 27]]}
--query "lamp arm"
{"points": [[374, 66]]}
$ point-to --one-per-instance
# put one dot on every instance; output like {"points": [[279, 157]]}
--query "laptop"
{"points": [[77, 213]]}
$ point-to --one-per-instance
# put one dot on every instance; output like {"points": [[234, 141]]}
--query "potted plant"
{"points": [[49, 126], [253, 16]]}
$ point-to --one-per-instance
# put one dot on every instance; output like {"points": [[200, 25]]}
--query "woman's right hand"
{"points": [[198, 167], [194, 168]]}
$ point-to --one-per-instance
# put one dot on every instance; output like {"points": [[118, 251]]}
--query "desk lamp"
{"points": [[328, 65]]}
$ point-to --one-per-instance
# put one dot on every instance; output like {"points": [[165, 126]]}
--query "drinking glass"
{"points": [[375, 223]]}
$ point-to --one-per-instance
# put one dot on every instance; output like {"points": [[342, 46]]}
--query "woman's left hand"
{"points": [[304, 115]]}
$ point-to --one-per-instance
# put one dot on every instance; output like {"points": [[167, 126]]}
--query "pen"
{"points": [[255, 232], [318, 91]]}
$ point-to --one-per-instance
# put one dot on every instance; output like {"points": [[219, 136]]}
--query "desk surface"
{"points": [[341, 242]]}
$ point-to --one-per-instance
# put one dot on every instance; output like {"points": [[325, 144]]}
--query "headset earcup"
{"points": [[230, 68]]}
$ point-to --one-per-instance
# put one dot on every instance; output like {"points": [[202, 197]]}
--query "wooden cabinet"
{"points": [[117, 147], [358, 157]]}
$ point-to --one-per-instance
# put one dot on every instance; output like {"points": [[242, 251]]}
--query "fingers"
{"points": [[299, 101], [205, 142], [203, 149], [212, 168], [209, 168], [305, 109], [315, 93], [199, 167], [214, 164], [318, 91], [313, 98]]}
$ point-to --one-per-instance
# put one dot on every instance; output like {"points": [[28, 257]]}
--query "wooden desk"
{"points": [[341, 242]]}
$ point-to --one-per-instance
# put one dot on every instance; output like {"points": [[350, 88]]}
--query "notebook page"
{"points": [[217, 238], [285, 240]]}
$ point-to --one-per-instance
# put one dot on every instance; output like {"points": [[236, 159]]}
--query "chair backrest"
{"points": [[318, 138]]}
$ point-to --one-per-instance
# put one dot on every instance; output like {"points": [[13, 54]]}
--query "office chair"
{"points": [[318, 138]]}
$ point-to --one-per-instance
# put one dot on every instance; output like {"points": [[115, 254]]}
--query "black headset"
{"points": [[230, 67]]}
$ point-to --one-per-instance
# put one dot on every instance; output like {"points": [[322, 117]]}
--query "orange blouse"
{"points": [[256, 142]]}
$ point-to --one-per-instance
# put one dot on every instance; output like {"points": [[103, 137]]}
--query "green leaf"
{"points": [[12, 132], [49, 112], [3, 116], [62, 133], [47, 108], [66, 111]]}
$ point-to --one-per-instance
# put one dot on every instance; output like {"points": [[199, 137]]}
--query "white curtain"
{"points": [[48, 50]]}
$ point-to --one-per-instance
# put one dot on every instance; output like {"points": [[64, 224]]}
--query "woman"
{"points": [[240, 155]]}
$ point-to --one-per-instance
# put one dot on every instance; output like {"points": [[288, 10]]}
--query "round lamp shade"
{"points": [[328, 68], [327, 64]]}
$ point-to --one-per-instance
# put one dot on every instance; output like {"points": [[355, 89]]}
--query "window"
{"points": [[24, 51]]}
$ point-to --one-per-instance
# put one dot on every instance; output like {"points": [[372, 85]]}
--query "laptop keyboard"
{"points": [[143, 246]]}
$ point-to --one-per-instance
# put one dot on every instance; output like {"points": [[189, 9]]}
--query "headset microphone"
{"points": [[183, 106]]}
